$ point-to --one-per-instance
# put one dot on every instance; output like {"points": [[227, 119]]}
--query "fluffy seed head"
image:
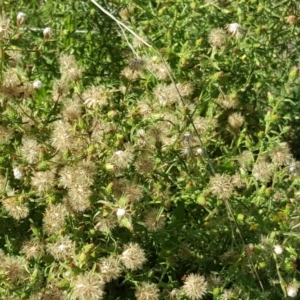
{"points": [[37, 84], [5, 135], [221, 186], [228, 101], [281, 155], [47, 33], [147, 291], [122, 158], [133, 257], [30, 150], [110, 268], [15, 208], [96, 96], [262, 171], [292, 289], [42, 181], [245, 159], [235, 30], [217, 37], [4, 27], [291, 19], [21, 18], [88, 286], [159, 69], [278, 249], [62, 249], [11, 84], [236, 120], [78, 197], [69, 68], [33, 249], [54, 218], [18, 173], [105, 223], [195, 286], [144, 164], [14, 268], [154, 219]]}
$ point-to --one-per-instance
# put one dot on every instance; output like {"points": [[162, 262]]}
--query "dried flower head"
{"points": [[236, 120], [11, 84], [5, 135], [217, 37], [78, 197], [60, 88], [159, 69], [262, 171], [110, 268], [144, 164], [21, 18], [4, 27], [137, 64], [47, 33], [54, 218], [278, 250], [292, 289], [221, 186], [62, 138], [69, 68], [147, 291], [291, 19], [245, 159], [281, 155], [122, 158], [37, 84], [195, 286], [130, 74], [42, 181], [154, 219], [228, 101], [96, 96], [83, 174], [33, 249], [18, 173], [205, 125], [133, 257], [228, 294], [106, 223], [166, 95], [235, 30], [237, 180], [15, 269], [125, 13], [214, 281], [30, 150], [137, 42], [134, 192], [15, 208], [71, 110], [62, 249], [88, 286]]}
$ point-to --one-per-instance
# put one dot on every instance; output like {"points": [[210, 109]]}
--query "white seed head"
{"points": [[278, 249], [121, 212], [198, 151], [37, 84], [18, 174], [292, 291], [47, 32], [21, 18]]}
